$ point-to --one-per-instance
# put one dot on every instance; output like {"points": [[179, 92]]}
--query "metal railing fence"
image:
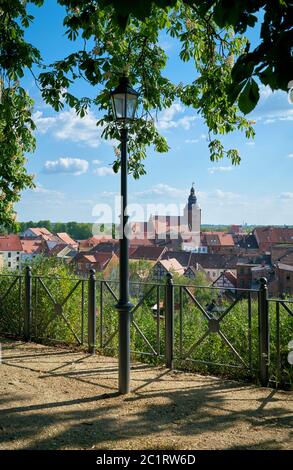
{"points": [[238, 332]]}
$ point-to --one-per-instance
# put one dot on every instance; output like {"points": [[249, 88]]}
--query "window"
{"points": [[9, 265], [9, 254], [17, 259]]}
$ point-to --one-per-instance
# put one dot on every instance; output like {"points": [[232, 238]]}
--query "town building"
{"points": [[31, 248], [164, 266], [65, 238], [151, 253], [282, 252], [37, 233], [212, 264], [248, 274], [266, 237], [284, 276], [176, 231], [217, 242], [10, 250], [100, 262], [226, 283]]}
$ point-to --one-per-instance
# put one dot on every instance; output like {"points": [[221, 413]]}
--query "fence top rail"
{"points": [[60, 278], [12, 275], [133, 283], [232, 289], [284, 301]]}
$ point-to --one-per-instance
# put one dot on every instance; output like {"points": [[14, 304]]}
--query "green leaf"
{"points": [[249, 97]]}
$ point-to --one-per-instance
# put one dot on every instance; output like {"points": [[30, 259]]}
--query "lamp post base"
{"points": [[124, 310]]}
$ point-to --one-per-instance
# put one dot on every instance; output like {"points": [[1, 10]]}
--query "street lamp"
{"points": [[124, 103]]}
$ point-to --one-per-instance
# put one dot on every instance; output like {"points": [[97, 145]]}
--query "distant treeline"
{"points": [[224, 228], [77, 230], [84, 230]]}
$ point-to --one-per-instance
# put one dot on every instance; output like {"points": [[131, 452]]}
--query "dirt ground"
{"points": [[55, 398]]}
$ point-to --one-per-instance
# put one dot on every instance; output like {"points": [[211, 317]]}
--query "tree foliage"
{"points": [[77, 230], [16, 124], [120, 37]]}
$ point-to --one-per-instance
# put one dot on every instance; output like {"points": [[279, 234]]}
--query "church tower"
{"points": [[192, 218]]}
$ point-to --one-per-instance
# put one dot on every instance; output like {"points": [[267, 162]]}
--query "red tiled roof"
{"points": [[217, 238], [172, 265], [285, 267], [141, 242], [57, 248], [93, 241], [10, 243], [231, 277], [98, 257], [268, 236], [99, 260], [40, 230], [31, 246], [66, 238], [148, 252]]}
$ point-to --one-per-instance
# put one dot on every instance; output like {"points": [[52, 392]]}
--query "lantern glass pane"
{"points": [[131, 106], [119, 106]]}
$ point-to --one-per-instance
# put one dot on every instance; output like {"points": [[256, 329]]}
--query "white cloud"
{"points": [[226, 195], [265, 91], [68, 126], [185, 122], [104, 171], [44, 124], [74, 166], [109, 194], [251, 143], [168, 118], [271, 116], [41, 190], [161, 189], [191, 141], [290, 155], [165, 44], [219, 169], [286, 196], [96, 162]]}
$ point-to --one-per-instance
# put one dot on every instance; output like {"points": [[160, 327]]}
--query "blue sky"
{"points": [[72, 163]]}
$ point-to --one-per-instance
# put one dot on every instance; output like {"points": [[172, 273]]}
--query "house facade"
{"points": [[10, 250], [164, 266], [226, 282]]}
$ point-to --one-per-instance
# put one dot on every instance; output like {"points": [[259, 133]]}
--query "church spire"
{"points": [[192, 197]]}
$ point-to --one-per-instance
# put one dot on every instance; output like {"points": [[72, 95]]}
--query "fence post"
{"points": [[92, 313], [169, 321], [27, 304], [263, 312]]}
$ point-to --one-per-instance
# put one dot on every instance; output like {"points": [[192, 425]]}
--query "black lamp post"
{"points": [[124, 103]]}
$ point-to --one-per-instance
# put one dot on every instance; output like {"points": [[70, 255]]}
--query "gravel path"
{"points": [[56, 398]]}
